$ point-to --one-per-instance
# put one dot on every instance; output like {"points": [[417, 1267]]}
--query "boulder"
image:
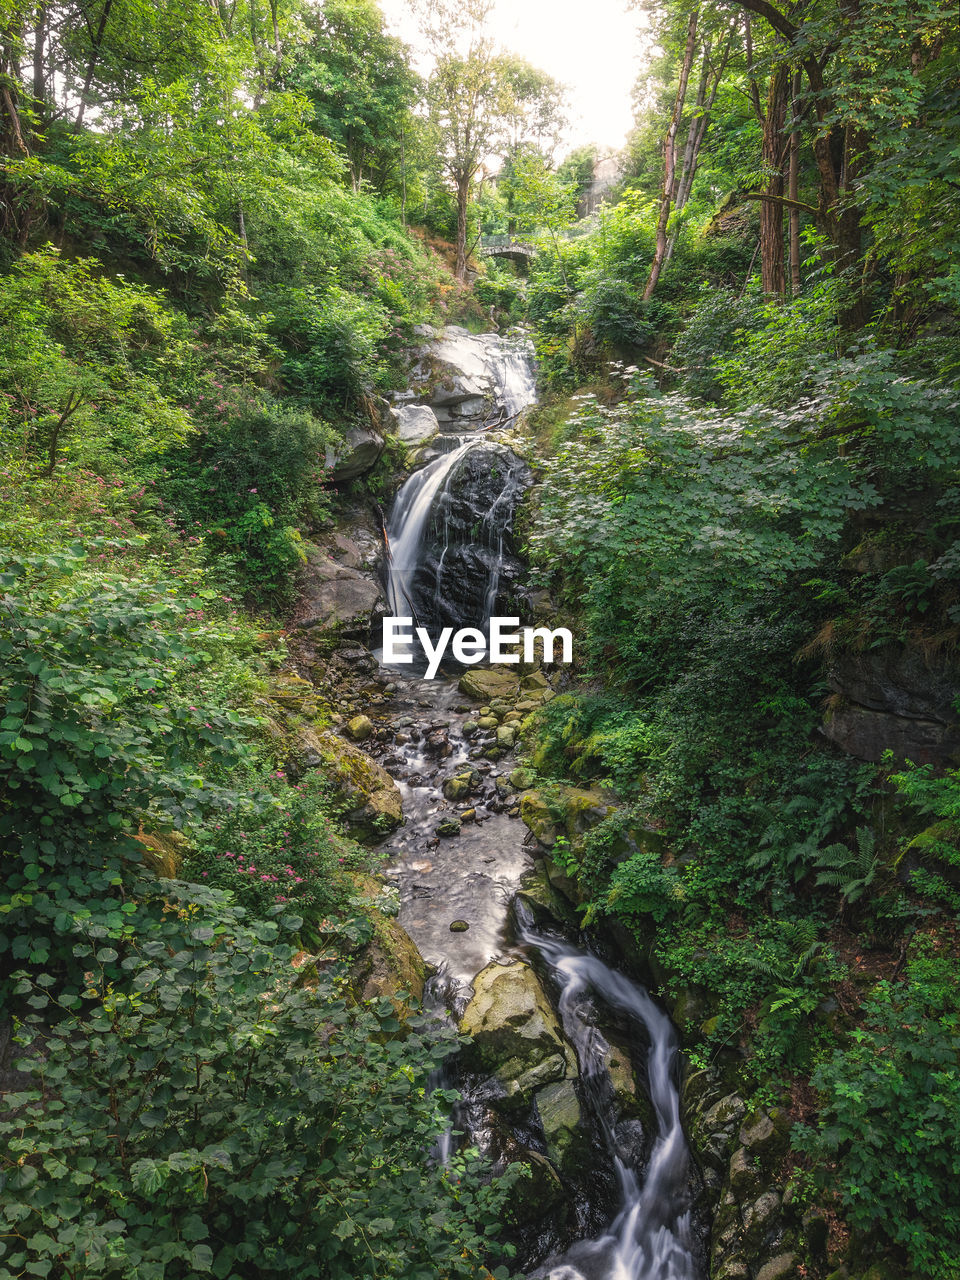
{"points": [[506, 737], [345, 604], [510, 1021], [415, 423], [360, 728], [359, 453], [486, 683], [368, 797]]}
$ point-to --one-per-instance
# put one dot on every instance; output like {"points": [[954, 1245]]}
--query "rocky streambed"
{"points": [[571, 1069]]}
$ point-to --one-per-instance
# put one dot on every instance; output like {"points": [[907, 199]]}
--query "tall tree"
{"points": [[360, 84], [480, 99]]}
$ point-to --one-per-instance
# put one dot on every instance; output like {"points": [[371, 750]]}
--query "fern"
{"points": [[852, 871]]}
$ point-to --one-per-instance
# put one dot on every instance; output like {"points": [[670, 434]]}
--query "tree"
{"points": [[360, 84], [481, 100]]}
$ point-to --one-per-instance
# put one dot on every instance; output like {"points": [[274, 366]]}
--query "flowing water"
{"points": [[450, 560], [652, 1237]]}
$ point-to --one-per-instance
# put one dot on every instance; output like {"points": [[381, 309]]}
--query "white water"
{"points": [[408, 520], [652, 1236]]}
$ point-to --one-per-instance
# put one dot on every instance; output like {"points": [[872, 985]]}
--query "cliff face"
{"points": [[894, 699]]}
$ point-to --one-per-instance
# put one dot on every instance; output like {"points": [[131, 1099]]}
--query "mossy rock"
{"points": [[540, 1195], [362, 790], [484, 684], [558, 1108], [549, 906], [360, 728], [390, 964], [511, 1022]]}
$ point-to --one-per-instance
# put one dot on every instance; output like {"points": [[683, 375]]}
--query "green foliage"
{"points": [[114, 712], [247, 481], [887, 1138], [192, 1108], [288, 849], [852, 871]]}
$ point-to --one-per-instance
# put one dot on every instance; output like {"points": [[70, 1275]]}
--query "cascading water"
{"points": [[652, 1236], [451, 563], [448, 535]]}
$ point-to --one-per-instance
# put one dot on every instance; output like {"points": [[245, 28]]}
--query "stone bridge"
{"points": [[505, 247]]}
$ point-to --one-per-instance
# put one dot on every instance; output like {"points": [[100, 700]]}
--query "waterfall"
{"points": [[652, 1236], [448, 534], [409, 516]]}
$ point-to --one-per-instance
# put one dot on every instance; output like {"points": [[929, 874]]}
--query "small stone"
{"points": [[449, 827], [469, 728], [506, 736], [522, 779], [360, 728], [459, 926], [468, 815], [535, 680], [487, 722]]}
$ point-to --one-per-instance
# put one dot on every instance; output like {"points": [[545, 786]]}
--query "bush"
{"points": [[246, 482], [889, 1131], [194, 1109]]}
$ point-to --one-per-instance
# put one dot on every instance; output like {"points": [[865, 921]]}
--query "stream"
{"points": [[451, 562]]}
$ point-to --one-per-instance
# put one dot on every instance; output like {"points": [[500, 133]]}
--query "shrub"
{"points": [[888, 1137], [193, 1109]]}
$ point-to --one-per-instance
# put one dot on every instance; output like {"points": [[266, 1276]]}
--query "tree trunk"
{"points": [[94, 55], [670, 160], [793, 188], [771, 210], [463, 200], [39, 66], [698, 131]]}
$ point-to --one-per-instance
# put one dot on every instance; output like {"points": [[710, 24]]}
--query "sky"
{"points": [[591, 46]]}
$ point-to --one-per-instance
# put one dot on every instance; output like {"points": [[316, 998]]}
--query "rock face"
{"points": [[415, 423], [371, 799], [469, 378], [893, 699], [467, 568]]}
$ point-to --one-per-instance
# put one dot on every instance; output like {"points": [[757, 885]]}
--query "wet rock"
{"points": [[559, 1110], [458, 788], [469, 728], [360, 728], [486, 683], [449, 827], [459, 926], [548, 905], [510, 1021], [437, 743], [486, 723], [468, 815]]}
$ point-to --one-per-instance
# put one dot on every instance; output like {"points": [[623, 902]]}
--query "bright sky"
{"points": [[591, 46]]}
